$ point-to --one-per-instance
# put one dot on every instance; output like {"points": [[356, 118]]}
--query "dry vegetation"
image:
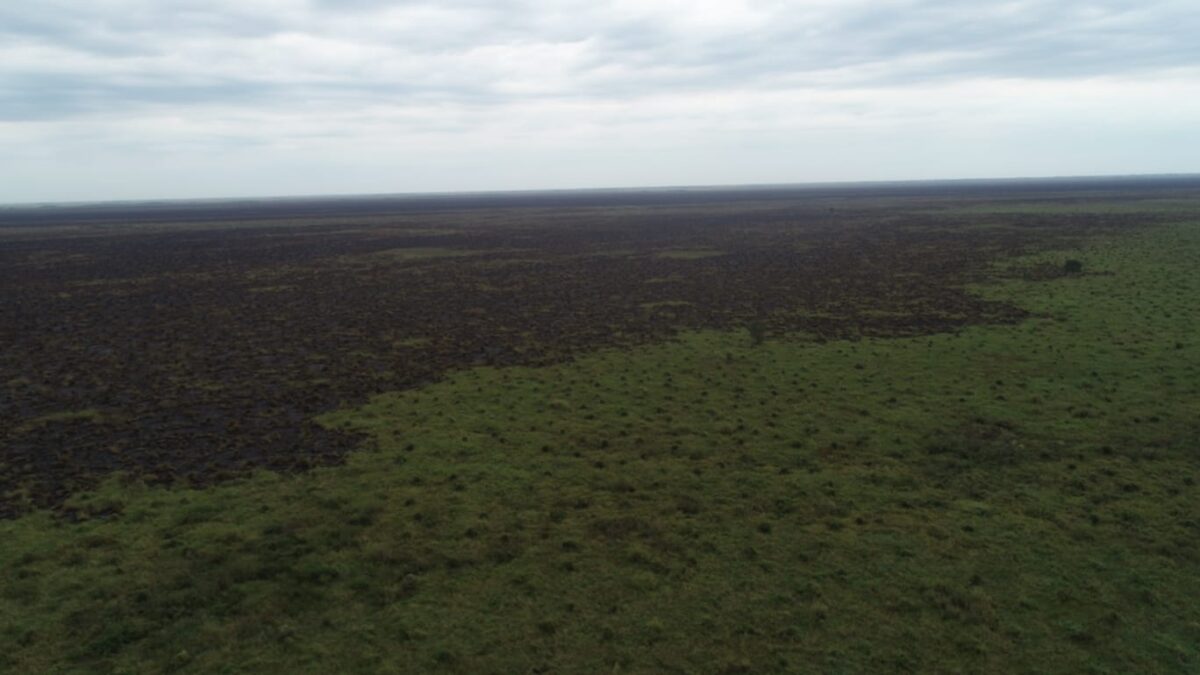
{"points": [[814, 435]]}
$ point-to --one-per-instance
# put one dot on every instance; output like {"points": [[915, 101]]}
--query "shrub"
{"points": [[758, 332]]}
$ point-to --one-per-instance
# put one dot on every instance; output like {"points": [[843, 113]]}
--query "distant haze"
{"points": [[144, 99]]}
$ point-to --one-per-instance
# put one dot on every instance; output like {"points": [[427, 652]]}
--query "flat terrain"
{"points": [[822, 430]]}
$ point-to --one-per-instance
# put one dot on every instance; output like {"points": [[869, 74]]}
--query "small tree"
{"points": [[1073, 267]]}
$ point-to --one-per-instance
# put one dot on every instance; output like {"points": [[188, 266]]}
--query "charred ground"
{"points": [[720, 432], [196, 346]]}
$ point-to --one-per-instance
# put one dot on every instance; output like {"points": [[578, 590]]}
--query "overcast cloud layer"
{"points": [[126, 99]]}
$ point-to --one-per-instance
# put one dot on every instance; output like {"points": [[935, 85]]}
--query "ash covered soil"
{"points": [[195, 347]]}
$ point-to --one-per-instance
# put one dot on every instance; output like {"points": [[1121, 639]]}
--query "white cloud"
{"points": [[196, 98]]}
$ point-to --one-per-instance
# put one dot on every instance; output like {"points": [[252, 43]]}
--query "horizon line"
{"points": [[614, 189]]}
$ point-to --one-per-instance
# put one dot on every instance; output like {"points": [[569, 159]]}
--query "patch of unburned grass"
{"points": [[86, 415], [1005, 499], [393, 255], [422, 253], [1179, 207], [690, 253], [274, 288], [412, 342], [665, 304]]}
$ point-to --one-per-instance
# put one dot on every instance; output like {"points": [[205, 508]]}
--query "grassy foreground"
{"points": [[1017, 498]]}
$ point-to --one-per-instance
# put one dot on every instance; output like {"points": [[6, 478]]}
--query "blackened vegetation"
{"points": [[198, 353]]}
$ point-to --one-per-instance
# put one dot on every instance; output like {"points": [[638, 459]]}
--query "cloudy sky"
{"points": [[130, 99]]}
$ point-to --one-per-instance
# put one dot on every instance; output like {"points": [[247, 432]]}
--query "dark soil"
{"points": [[198, 352]]}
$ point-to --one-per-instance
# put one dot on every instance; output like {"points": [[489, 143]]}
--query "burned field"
{"points": [[929, 429], [195, 351]]}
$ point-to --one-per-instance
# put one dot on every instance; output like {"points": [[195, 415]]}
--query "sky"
{"points": [[154, 99]]}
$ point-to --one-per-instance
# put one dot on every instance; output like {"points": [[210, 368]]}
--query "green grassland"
{"points": [[1005, 499]]}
